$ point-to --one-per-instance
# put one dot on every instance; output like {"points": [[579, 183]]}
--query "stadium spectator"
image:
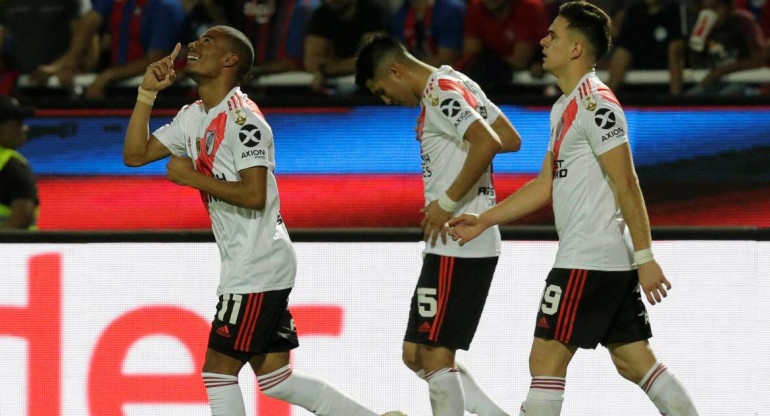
{"points": [[652, 36], [432, 30], [735, 43], [18, 192], [200, 16], [336, 30], [501, 36], [141, 32], [34, 32], [276, 28]]}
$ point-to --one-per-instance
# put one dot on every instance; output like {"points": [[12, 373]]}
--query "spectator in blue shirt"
{"points": [[141, 32], [276, 29], [432, 30]]}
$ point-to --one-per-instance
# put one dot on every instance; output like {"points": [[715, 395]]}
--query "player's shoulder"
{"points": [[242, 110], [446, 83], [593, 95], [191, 111], [448, 79]]}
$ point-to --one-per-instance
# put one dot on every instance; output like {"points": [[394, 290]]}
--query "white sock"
{"points": [[311, 393], [224, 394], [476, 399], [446, 392], [546, 394], [667, 392]]}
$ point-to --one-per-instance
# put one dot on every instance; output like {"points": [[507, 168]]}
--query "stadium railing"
{"points": [[638, 77]]}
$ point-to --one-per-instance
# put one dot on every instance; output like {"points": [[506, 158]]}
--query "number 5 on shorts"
{"points": [[426, 301], [551, 297]]}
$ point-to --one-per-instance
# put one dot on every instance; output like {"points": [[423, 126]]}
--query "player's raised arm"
{"points": [[139, 148]]}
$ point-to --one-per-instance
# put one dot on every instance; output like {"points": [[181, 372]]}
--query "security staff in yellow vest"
{"points": [[18, 193]]}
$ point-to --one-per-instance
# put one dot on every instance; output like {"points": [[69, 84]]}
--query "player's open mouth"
{"points": [[193, 58]]}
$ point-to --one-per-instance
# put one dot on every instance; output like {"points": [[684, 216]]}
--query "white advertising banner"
{"points": [[121, 328]]}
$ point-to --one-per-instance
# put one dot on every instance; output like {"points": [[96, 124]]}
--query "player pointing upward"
{"points": [[231, 161], [592, 294]]}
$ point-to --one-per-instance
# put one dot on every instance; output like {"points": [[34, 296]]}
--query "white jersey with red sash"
{"points": [[254, 245], [451, 102], [592, 231]]}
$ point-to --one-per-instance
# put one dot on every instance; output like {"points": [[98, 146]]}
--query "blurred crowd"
{"points": [[489, 40]]}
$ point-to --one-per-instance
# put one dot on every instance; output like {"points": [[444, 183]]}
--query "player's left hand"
{"points": [[654, 284], [179, 168], [435, 223]]}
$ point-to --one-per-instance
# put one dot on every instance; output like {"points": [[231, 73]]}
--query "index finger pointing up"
{"points": [[175, 52]]}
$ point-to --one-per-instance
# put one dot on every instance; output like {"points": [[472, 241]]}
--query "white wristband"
{"points": [[643, 256], [147, 97], [447, 204]]}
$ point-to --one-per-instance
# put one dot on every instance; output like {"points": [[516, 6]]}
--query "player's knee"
{"points": [[549, 358], [626, 370], [410, 355], [411, 361]]}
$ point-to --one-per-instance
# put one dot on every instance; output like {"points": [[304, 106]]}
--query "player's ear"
{"points": [[577, 49], [231, 60], [393, 70]]}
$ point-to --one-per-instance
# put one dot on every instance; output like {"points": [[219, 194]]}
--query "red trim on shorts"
{"points": [[582, 274], [249, 322], [565, 295], [573, 294], [446, 268]]}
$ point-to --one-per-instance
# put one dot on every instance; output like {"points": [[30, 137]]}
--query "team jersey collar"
{"points": [[223, 104], [443, 69], [589, 74]]}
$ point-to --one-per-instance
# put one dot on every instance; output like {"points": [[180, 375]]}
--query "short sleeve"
{"points": [[251, 142], [172, 134], [457, 106], [605, 127], [22, 179], [493, 112]]}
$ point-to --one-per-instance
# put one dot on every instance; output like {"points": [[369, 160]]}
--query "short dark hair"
{"points": [[592, 22], [241, 46], [371, 54]]}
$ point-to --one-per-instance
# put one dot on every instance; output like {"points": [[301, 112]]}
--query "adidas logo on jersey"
{"points": [[223, 331]]}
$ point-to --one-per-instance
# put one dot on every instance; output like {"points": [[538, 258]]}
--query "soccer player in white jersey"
{"points": [[592, 294], [222, 146], [460, 131]]}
